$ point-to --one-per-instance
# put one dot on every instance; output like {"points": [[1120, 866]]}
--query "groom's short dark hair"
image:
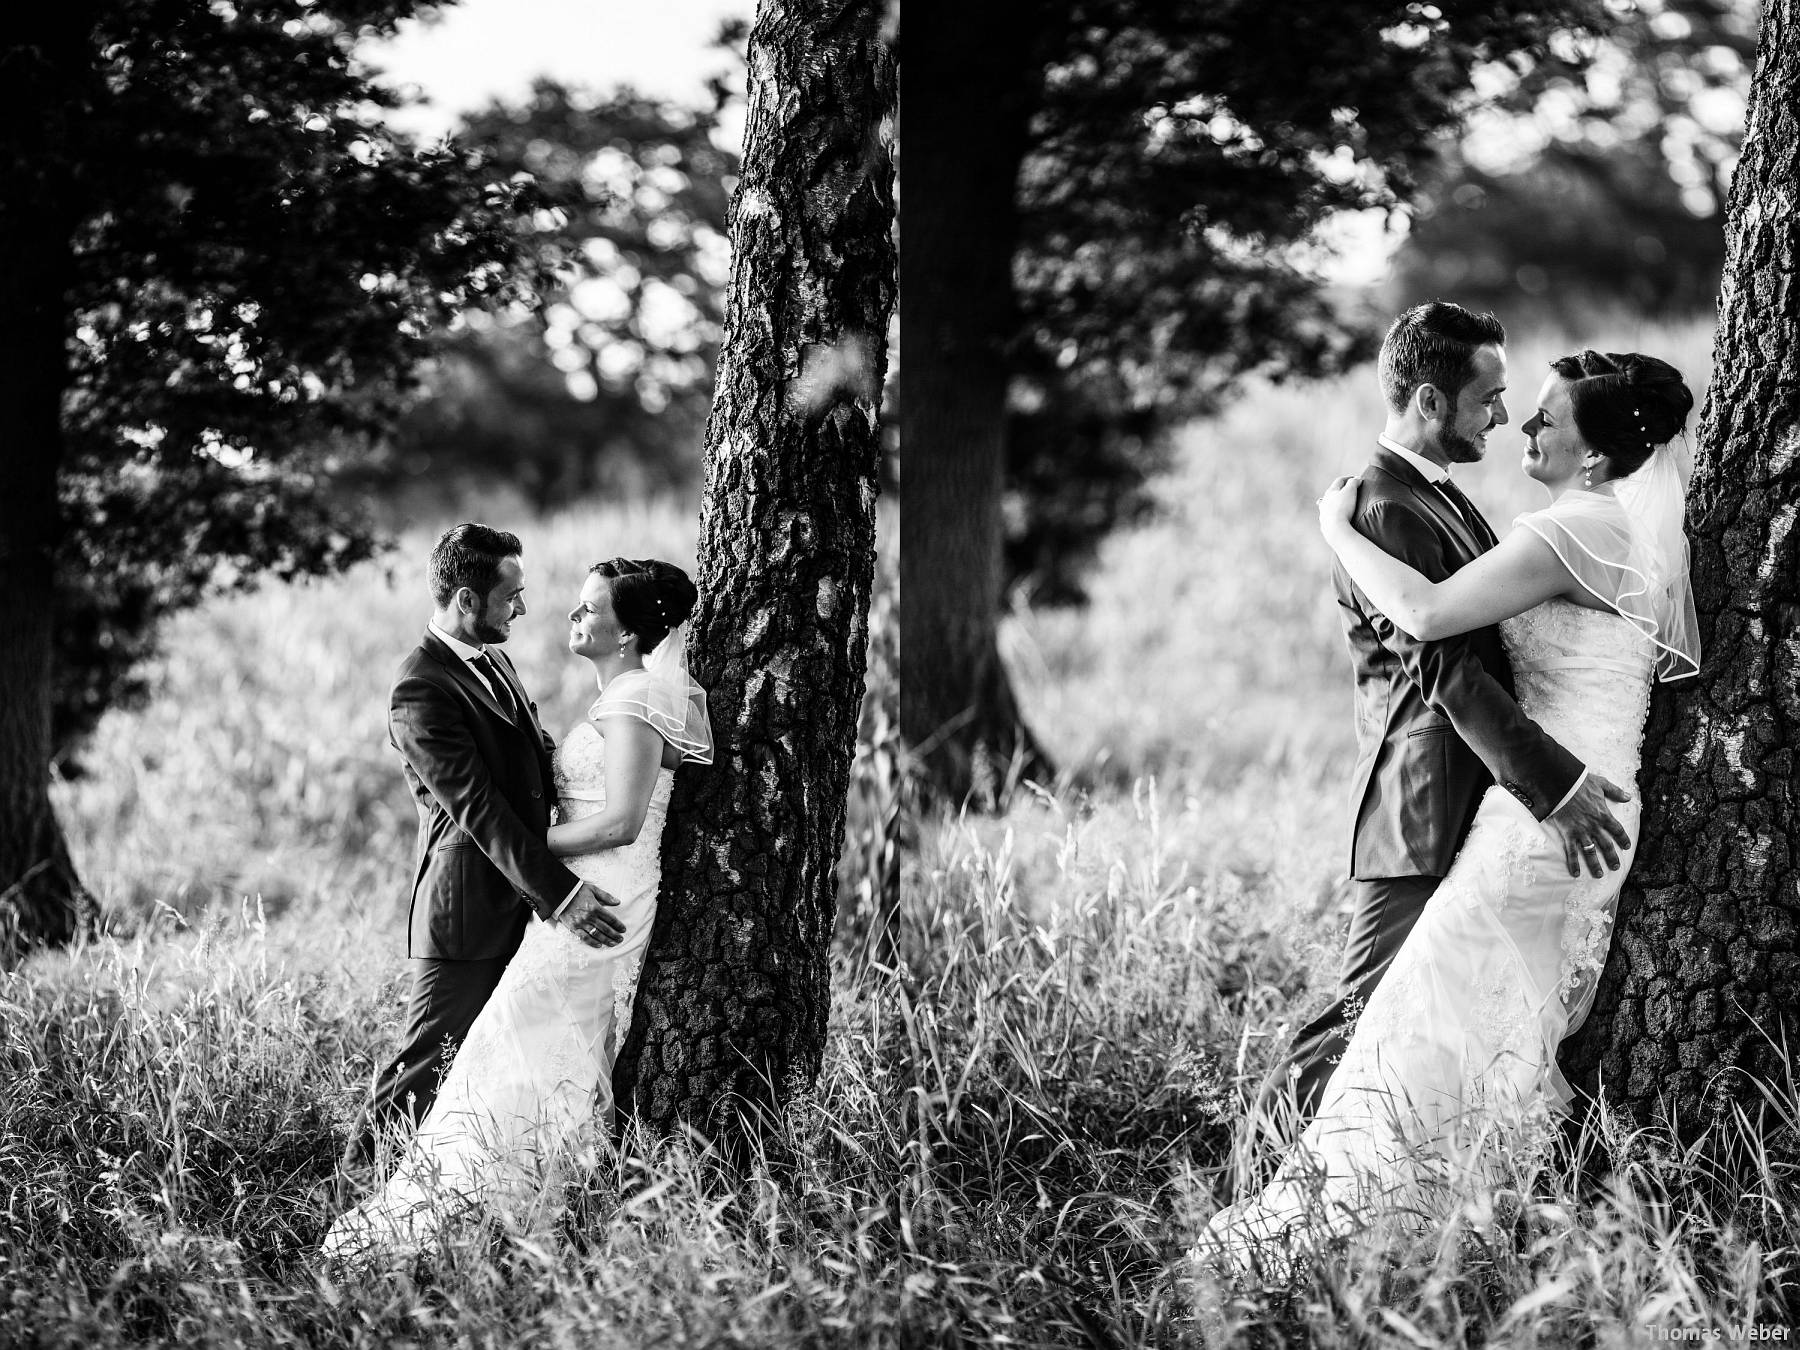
{"points": [[1434, 343], [469, 555]]}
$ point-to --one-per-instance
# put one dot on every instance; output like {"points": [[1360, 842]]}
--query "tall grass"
{"points": [[1039, 1048], [1020, 1125], [1201, 710]]}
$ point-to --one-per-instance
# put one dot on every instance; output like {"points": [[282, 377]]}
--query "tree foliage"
{"points": [[1181, 157], [1633, 140], [257, 265], [606, 384]]}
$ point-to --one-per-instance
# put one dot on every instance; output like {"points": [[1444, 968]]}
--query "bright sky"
{"points": [[480, 50]]}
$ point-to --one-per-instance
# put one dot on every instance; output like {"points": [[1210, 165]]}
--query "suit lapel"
{"points": [[528, 718], [1434, 501], [468, 679]]}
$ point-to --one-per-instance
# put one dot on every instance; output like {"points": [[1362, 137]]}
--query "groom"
{"points": [[478, 764], [1436, 722]]}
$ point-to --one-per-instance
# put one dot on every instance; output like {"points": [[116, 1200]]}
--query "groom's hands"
{"points": [[589, 917], [1589, 831]]}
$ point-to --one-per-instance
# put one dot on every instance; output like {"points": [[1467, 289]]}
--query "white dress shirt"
{"points": [[1434, 473], [469, 655], [1438, 474]]}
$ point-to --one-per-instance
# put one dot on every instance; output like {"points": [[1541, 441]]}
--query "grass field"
{"points": [[1022, 1120]]}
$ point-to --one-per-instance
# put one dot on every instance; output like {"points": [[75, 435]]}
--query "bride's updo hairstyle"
{"points": [[649, 596], [1625, 404]]}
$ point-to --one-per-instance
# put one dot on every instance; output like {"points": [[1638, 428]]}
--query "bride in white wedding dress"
{"points": [[1455, 1051], [519, 1103]]}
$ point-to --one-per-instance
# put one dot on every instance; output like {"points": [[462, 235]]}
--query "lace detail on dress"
{"points": [[1584, 676], [580, 769], [1586, 929], [1453, 1057], [1499, 849], [520, 1100]]}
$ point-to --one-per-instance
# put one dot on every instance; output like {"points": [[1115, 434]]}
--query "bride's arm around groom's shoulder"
{"points": [[1448, 671], [1431, 603], [1430, 618]]}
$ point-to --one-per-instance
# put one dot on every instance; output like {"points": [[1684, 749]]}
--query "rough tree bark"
{"points": [[1704, 973], [968, 71], [42, 901], [732, 1006]]}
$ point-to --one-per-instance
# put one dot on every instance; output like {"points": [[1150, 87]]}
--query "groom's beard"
{"points": [[1457, 448], [487, 632]]}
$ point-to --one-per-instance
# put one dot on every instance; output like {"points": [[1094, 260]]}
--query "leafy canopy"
{"points": [[607, 384], [1182, 154], [1633, 139], [259, 266]]}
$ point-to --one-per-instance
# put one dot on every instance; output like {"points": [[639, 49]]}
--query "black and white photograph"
{"points": [[855, 673]]}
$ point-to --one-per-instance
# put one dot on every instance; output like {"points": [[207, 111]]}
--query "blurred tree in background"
{"points": [[1137, 237], [605, 385], [219, 260], [1598, 177]]}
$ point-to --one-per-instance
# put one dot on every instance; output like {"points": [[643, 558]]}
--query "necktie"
{"points": [[497, 684], [1465, 508]]}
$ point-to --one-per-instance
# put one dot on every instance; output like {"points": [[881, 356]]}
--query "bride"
{"points": [[521, 1094], [1456, 1048]]}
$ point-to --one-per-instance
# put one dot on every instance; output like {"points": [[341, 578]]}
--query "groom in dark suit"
{"points": [[1436, 722], [478, 764]]}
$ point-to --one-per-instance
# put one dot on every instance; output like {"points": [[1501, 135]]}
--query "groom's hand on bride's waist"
{"points": [[589, 916], [1590, 832]]}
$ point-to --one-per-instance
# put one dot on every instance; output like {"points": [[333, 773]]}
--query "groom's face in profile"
{"points": [[503, 604], [1475, 409]]}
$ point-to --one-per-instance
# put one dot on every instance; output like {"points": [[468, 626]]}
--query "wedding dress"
{"points": [[518, 1104], [1454, 1054]]}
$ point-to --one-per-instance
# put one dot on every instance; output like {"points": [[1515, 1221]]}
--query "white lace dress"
{"points": [[1455, 1052], [521, 1096]]}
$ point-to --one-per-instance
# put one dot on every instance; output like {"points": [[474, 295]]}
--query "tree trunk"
{"points": [[733, 1002], [969, 74], [42, 902], [1704, 973]]}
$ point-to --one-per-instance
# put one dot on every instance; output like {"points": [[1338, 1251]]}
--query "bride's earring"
{"points": [[1587, 475]]}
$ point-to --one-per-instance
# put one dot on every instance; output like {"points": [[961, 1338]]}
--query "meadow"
{"points": [[1029, 1105]]}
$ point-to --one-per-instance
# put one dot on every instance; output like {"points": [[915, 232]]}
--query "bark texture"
{"points": [[732, 1007], [1704, 973], [968, 79], [42, 901]]}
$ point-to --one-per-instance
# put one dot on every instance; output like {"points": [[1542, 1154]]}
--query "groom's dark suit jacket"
{"points": [[1436, 723], [481, 778]]}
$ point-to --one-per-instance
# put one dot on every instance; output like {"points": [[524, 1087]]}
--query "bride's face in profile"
{"points": [[1554, 449], [594, 629]]}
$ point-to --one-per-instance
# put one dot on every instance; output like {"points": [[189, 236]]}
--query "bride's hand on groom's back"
{"points": [[590, 918], [1590, 832], [1338, 504]]}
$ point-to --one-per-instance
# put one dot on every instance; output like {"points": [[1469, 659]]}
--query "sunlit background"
{"points": [[1020, 1114], [482, 51]]}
